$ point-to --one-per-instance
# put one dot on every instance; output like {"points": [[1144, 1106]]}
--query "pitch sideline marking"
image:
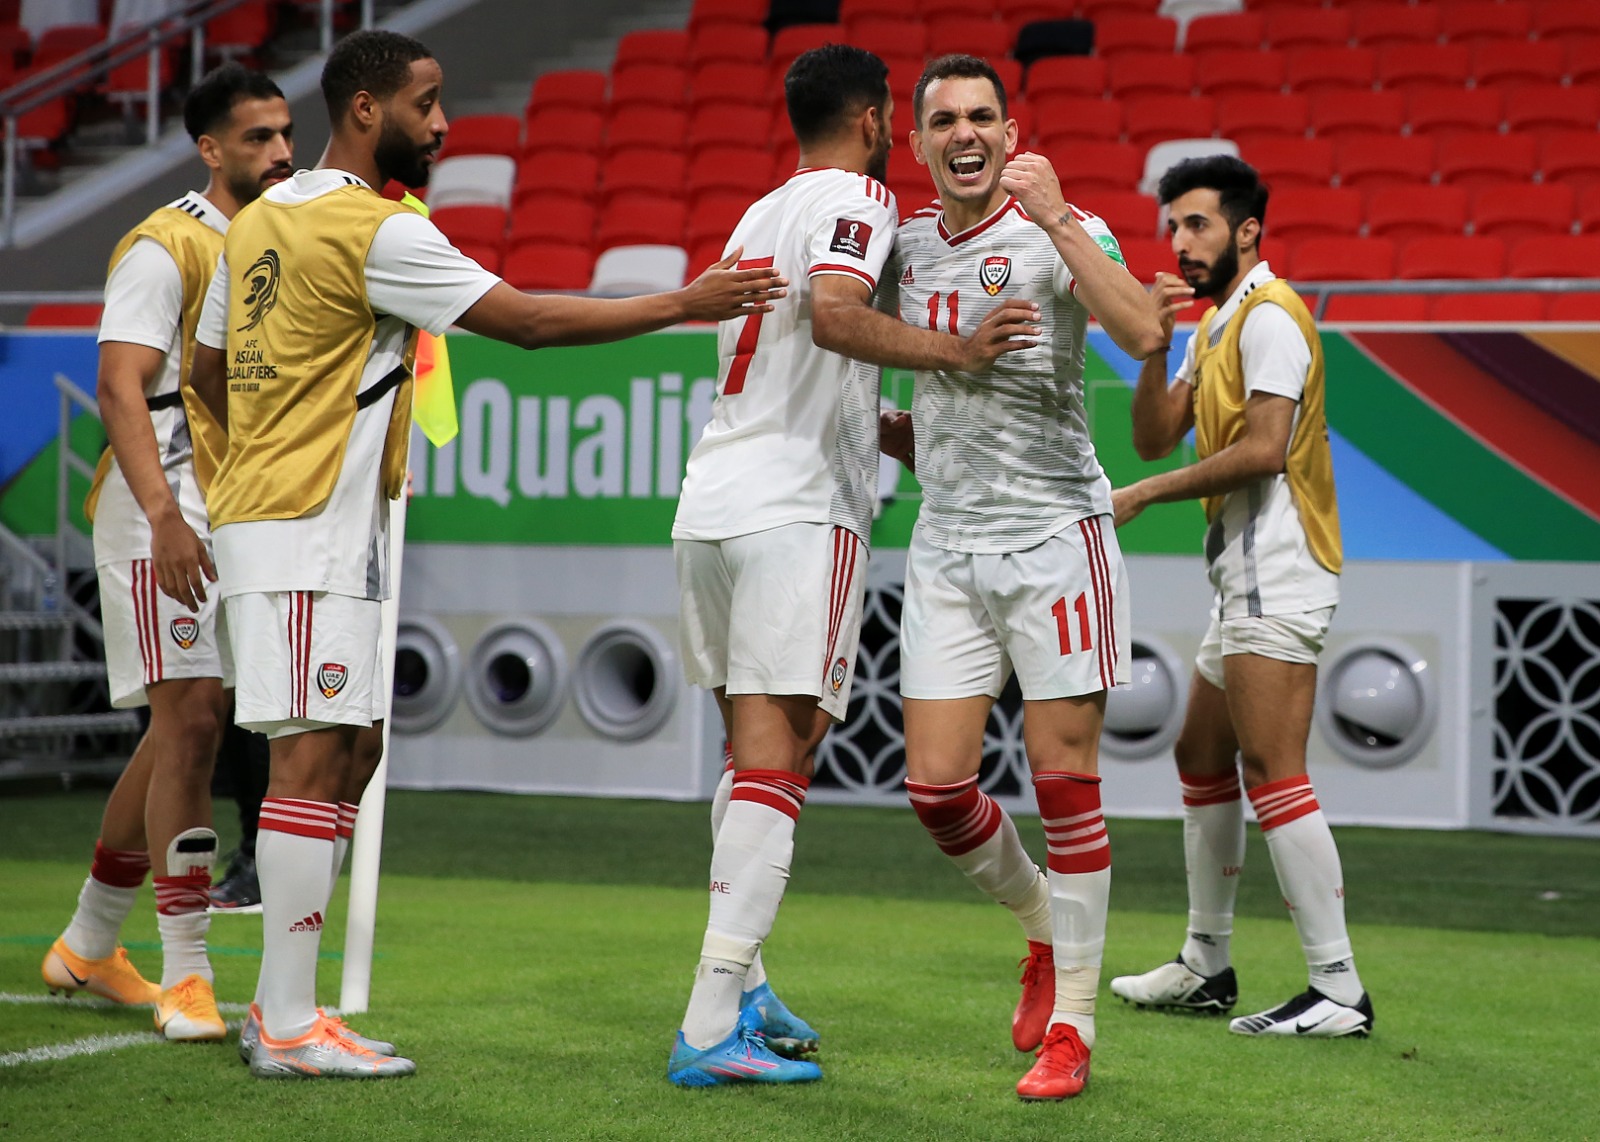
{"points": [[92, 1044]]}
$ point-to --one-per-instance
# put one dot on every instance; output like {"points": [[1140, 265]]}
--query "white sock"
{"points": [[1312, 882], [757, 975], [749, 871], [294, 851], [183, 947], [183, 898], [1213, 850], [98, 920], [1080, 891]]}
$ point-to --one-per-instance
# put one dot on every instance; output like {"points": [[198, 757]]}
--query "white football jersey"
{"points": [[1004, 456], [793, 436]]}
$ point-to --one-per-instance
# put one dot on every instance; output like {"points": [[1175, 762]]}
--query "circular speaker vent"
{"points": [[1377, 705], [427, 675], [516, 677], [1143, 719], [624, 685]]}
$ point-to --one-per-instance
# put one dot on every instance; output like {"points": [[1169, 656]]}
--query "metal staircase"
{"points": [[55, 712]]}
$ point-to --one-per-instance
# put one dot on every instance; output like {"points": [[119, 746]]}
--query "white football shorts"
{"points": [[1288, 638], [151, 637], [1058, 614], [774, 612], [307, 660]]}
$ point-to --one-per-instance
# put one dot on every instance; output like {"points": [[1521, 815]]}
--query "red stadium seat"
{"points": [[1066, 117], [549, 221], [1589, 210], [1022, 111], [640, 125], [1481, 307], [707, 12], [1380, 24], [727, 85], [1331, 69], [579, 178], [1583, 60], [1136, 74], [1547, 107], [130, 82], [565, 128], [1114, 35], [64, 315], [783, 161], [1430, 110], [972, 36], [1556, 257], [564, 267], [483, 135], [745, 171], [1238, 31], [65, 41], [489, 257], [1368, 161], [1553, 19], [1573, 307], [642, 221], [1148, 256], [1384, 307], [1570, 156], [1245, 118], [649, 85], [713, 217], [485, 225], [1099, 166], [729, 127], [653, 47], [885, 37], [1232, 71], [241, 30], [647, 170], [727, 43], [1475, 159], [1162, 117], [969, 9], [1128, 213], [1287, 162], [791, 42], [1016, 13], [583, 89], [1402, 66], [1067, 75], [892, 9], [1499, 63], [1467, 20], [1343, 260], [1335, 114], [1308, 212], [1452, 256], [1100, 9], [1409, 211], [1289, 28], [1516, 210]]}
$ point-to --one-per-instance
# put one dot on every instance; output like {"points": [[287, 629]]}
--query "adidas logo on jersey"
{"points": [[312, 923], [907, 278]]}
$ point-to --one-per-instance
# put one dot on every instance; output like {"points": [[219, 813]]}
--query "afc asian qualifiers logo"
{"points": [[840, 672], [261, 284], [184, 631], [851, 237], [331, 678], [994, 273]]}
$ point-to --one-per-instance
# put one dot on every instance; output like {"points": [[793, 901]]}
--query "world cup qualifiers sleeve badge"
{"points": [[994, 273], [851, 237]]}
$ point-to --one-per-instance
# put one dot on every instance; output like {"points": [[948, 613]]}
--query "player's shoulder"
{"points": [[922, 222], [840, 185]]}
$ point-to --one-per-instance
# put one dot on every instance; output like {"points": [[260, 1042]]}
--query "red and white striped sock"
{"points": [[1213, 854], [979, 836], [344, 832], [294, 852], [1080, 891], [757, 975], [749, 870], [105, 900], [1311, 880], [182, 916]]}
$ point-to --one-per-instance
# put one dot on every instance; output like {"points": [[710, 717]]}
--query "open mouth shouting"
{"points": [[966, 169]]}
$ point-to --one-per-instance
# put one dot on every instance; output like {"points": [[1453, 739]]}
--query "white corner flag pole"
{"points": [[366, 849]]}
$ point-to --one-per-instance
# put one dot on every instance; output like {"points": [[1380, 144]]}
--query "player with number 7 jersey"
{"points": [[1014, 565]]}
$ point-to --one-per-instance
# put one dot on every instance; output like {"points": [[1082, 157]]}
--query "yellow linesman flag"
{"points": [[433, 400]]}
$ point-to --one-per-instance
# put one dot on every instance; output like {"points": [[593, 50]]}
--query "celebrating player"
{"points": [[1251, 387], [166, 644], [316, 299], [1014, 564], [772, 528]]}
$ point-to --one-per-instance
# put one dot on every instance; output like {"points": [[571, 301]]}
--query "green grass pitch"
{"points": [[534, 955]]}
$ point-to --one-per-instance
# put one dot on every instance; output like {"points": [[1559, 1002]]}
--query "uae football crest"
{"points": [[839, 673], [184, 631], [994, 273], [331, 678]]}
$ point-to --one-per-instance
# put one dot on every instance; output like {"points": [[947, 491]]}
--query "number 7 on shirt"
{"points": [[745, 348]]}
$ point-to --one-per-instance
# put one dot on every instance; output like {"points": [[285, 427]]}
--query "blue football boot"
{"points": [[743, 1057], [785, 1032]]}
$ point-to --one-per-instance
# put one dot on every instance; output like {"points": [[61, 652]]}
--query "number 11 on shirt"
{"points": [[745, 348], [955, 311]]}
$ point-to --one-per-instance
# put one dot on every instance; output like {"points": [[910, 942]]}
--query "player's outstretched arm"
{"points": [[181, 563], [844, 321], [1162, 413], [1260, 452], [538, 321], [1104, 285]]}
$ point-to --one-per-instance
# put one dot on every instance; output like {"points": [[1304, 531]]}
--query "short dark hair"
{"points": [[827, 85], [374, 61], [1236, 182], [210, 102], [956, 67]]}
